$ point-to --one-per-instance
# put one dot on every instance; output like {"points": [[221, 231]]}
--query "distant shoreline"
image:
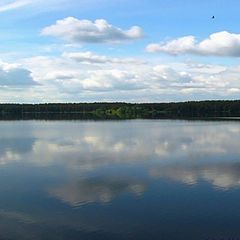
{"points": [[104, 110]]}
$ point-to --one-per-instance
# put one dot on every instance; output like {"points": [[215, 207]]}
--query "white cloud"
{"points": [[74, 30], [175, 47], [74, 76], [105, 80], [12, 75], [115, 79], [217, 44], [11, 5], [91, 58]]}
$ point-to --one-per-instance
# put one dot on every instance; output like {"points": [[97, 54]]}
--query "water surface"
{"points": [[140, 179]]}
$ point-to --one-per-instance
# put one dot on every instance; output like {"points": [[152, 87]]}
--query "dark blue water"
{"points": [[167, 180]]}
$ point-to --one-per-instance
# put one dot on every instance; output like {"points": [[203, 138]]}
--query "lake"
{"points": [[138, 179]]}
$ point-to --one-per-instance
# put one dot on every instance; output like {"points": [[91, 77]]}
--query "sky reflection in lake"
{"points": [[140, 179]]}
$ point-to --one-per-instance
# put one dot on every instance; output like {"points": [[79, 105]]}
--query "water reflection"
{"points": [[178, 150], [96, 190], [16, 216], [55, 176], [223, 176]]}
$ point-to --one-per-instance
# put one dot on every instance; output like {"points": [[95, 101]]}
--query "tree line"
{"points": [[128, 110]]}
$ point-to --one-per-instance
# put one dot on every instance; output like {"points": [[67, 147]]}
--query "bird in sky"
{"points": [[213, 17]]}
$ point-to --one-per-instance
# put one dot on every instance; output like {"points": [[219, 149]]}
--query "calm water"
{"points": [[167, 180]]}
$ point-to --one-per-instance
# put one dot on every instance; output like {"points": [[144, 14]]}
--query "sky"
{"points": [[119, 50]]}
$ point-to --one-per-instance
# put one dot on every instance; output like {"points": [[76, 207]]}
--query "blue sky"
{"points": [[102, 50]]}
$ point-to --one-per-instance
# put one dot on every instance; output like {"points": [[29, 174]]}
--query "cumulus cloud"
{"points": [[75, 76], [92, 77], [217, 44], [112, 80], [15, 76], [74, 30], [91, 58]]}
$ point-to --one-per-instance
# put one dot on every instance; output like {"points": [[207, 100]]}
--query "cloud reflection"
{"points": [[184, 151], [98, 190], [223, 176], [17, 216]]}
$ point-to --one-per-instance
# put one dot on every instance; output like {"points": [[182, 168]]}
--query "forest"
{"points": [[118, 110]]}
